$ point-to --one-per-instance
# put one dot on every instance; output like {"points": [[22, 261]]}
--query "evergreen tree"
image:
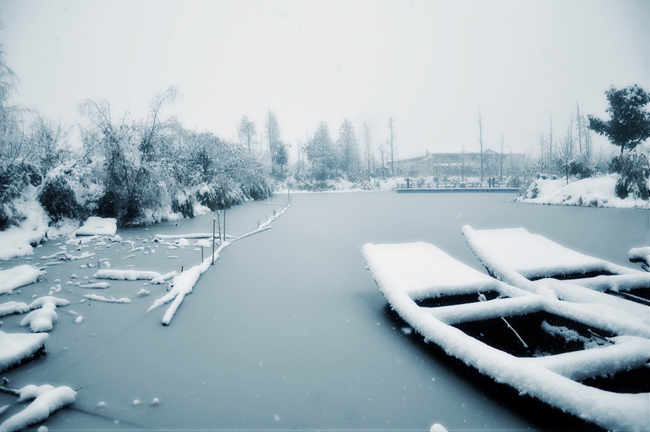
{"points": [[629, 125]]}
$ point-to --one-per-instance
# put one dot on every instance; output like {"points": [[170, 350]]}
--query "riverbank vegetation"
{"points": [[136, 170]]}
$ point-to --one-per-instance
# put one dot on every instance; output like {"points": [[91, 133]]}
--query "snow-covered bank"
{"points": [[589, 192], [19, 240]]}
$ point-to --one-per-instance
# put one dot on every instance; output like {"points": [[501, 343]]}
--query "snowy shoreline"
{"points": [[589, 192]]}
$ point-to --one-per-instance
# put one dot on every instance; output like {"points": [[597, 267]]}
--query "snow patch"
{"points": [[18, 276], [97, 226]]}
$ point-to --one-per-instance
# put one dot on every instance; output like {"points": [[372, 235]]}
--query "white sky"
{"points": [[429, 65]]}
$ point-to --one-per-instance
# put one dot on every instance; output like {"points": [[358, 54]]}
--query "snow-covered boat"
{"points": [[534, 263], [552, 350]]}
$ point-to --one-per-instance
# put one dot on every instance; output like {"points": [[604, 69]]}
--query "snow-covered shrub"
{"points": [[70, 192], [15, 178], [580, 168], [634, 169]]}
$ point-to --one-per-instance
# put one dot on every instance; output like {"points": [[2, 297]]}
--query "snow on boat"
{"points": [[534, 263], [555, 351]]}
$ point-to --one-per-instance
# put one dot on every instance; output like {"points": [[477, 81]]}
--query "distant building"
{"points": [[447, 162], [382, 172]]}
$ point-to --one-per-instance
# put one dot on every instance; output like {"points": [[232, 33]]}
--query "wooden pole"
{"points": [[219, 225], [213, 229]]}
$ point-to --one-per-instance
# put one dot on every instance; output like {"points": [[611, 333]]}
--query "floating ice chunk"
{"points": [[81, 241], [42, 429], [126, 274], [98, 226], [70, 257], [107, 300], [437, 428], [44, 316], [78, 320], [40, 409], [18, 347], [54, 255], [155, 401], [13, 307], [101, 404], [96, 285], [136, 402], [18, 276], [143, 293]]}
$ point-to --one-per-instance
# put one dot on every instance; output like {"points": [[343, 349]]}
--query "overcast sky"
{"points": [[429, 65]]}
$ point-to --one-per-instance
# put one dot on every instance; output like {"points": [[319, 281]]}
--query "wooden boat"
{"points": [[552, 350], [534, 263]]}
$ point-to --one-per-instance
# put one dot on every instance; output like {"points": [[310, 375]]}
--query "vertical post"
{"points": [[224, 224], [213, 229], [202, 254], [219, 225], [288, 196]]}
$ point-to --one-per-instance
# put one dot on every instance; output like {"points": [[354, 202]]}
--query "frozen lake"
{"points": [[288, 330]]}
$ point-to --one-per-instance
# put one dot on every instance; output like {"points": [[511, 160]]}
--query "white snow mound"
{"points": [[97, 226], [18, 276]]}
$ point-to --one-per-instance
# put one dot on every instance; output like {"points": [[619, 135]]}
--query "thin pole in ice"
{"points": [[213, 232]]}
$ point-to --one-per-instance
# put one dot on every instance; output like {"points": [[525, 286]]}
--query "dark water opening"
{"points": [[449, 300], [543, 334], [572, 276], [632, 381], [638, 295], [540, 415]]}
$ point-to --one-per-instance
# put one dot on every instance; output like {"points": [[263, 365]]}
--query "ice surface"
{"points": [[18, 276], [407, 271], [48, 401], [16, 347], [97, 226]]}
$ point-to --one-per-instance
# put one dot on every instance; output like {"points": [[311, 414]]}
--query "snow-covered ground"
{"points": [[589, 192]]}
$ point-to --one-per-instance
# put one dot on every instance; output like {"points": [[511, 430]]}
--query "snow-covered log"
{"points": [[44, 316], [130, 275], [48, 400]]}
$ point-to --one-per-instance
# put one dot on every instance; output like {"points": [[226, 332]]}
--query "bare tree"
{"points": [[246, 130], [382, 153], [367, 138], [272, 136], [392, 148], [565, 150], [501, 158], [550, 140], [480, 139]]}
